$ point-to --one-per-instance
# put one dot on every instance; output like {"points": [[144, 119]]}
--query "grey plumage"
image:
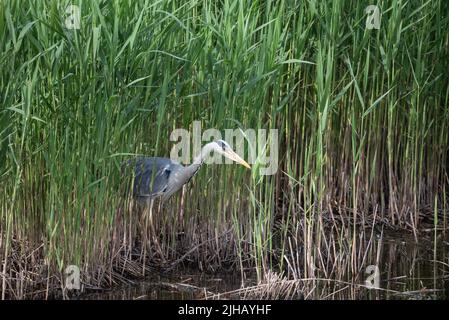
{"points": [[161, 177], [155, 176]]}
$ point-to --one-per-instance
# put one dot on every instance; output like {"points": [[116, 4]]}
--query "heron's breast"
{"points": [[175, 182]]}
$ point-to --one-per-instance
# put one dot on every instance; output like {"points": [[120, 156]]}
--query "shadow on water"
{"points": [[408, 269]]}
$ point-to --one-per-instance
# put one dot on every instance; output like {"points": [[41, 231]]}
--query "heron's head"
{"points": [[225, 149]]}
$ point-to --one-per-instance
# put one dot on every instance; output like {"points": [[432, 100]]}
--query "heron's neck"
{"points": [[199, 159], [192, 169], [205, 151]]}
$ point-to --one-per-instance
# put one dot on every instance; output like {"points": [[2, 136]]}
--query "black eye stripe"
{"points": [[222, 144]]}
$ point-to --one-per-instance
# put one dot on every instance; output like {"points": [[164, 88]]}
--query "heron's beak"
{"points": [[235, 157]]}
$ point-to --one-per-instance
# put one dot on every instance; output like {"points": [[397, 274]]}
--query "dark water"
{"points": [[188, 285], [411, 269], [408, 269]]}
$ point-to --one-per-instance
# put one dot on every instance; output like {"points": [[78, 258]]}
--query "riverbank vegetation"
{"points": [[362, 117]]}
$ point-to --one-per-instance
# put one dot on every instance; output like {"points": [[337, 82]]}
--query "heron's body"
{"points": [[161, 177]]}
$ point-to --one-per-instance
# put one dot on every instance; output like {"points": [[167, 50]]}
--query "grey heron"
{"points": [[156, 177]]}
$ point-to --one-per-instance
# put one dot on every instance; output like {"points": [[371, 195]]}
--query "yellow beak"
{"points": [[235, 157]]}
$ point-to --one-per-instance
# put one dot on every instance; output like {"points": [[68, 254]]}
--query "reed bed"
{"points": [[363, 119]]}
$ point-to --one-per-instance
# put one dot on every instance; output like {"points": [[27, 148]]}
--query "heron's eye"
{"points": [[222, 145]]}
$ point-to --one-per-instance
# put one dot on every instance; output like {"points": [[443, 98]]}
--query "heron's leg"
{"points": [[181, 209], [144, 232], [154, 235]]}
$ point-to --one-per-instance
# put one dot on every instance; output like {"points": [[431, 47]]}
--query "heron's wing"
{"points": [[151, 176]]}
